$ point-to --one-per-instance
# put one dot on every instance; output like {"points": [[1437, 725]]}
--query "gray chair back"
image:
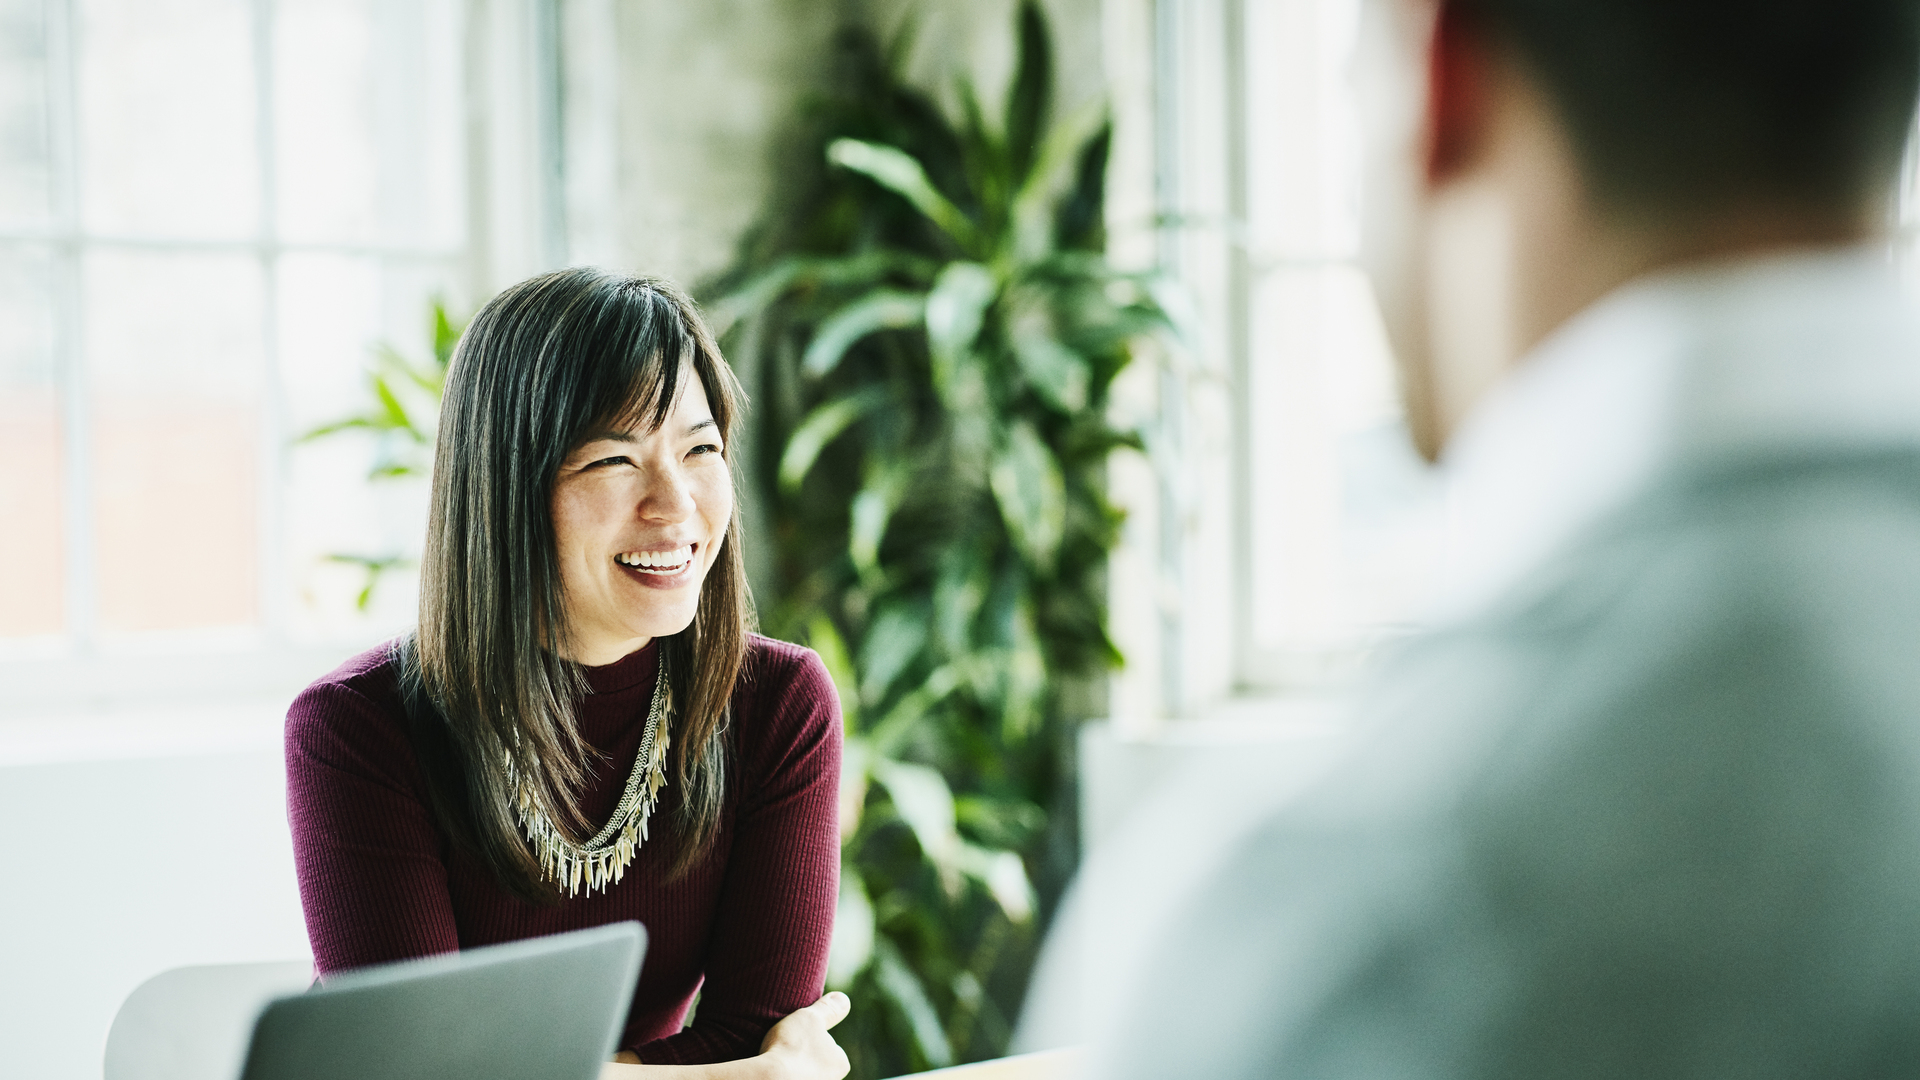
{"points": [[193, 1023]]}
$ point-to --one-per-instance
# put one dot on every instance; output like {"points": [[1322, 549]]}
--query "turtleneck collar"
{"points": [[634, 669]]}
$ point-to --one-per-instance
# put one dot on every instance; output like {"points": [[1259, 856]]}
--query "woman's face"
{"points": [[639, 517]]}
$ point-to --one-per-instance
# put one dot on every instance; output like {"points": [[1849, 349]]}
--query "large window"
{"points": [[1290, 524], [210, 212]]}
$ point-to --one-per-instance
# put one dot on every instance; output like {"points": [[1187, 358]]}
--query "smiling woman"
{"points": [[583, 730]]}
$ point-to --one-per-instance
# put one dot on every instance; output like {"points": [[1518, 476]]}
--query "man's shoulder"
{"points": [[1702, 620], [1821, 542]]}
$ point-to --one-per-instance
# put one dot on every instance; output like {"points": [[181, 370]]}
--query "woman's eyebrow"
{"points": [[707, 423]]}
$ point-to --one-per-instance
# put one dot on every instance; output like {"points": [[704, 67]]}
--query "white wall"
{"points": [[128, 845], [974, 39], [673, 114], [676, 113]]}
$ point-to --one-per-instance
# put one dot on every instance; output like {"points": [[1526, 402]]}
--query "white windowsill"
{"points": [[212, 698], [184, 731], [1240, 754]]}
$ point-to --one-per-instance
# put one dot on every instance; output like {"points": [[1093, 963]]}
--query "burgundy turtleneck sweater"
{"points": [[380, 882]]}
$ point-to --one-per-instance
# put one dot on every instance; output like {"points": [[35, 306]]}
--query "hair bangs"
{"points": [[642, 360]]}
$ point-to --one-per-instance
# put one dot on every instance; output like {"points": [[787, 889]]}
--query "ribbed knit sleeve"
{"points": [[767, 953], [371, 862]]}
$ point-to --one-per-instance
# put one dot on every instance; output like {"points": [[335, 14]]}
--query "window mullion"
{"points": [[1239, 336], [271, 475], [1167, 75], [63, 137]]}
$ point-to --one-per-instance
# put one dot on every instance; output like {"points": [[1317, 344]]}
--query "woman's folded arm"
{"points": [[767, 956]]}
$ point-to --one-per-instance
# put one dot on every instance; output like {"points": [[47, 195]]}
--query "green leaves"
{"points": [[901, 174], [894, 640], [821, 427], [924, 802], [403, 418], [955, 311], [375, 567], [1056, 372], [936, 334], [922, 799], [910, 998], [404, 414], [1032, 494], [881, 309], [1031, 98], [1037, 201], [871, 509], [853, 932]]}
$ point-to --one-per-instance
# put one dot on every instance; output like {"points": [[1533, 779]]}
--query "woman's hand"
{"points": [[799, 1048]]}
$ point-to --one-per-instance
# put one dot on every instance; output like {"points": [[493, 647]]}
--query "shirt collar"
{"points": [[1749, 357], [634, 669]]}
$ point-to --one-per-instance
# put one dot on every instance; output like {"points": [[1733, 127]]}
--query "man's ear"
{"points": [[1459, 105]]}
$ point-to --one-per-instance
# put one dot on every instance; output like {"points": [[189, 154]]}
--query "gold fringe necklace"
{"points": [[603, 860]]}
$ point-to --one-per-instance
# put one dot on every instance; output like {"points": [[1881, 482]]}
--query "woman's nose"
{"points": [[668, 496]]}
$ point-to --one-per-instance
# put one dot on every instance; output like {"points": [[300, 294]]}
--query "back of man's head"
{"points": [[1675, 106]]}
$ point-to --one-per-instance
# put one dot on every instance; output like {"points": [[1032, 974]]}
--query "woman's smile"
{"points": [[658, 562], [669, 569]]}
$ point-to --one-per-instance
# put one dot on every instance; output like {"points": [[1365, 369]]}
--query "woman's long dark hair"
{"points": [[542, 365]]}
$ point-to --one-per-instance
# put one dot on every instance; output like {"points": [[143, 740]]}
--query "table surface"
{"points": [[1044, 1065]]}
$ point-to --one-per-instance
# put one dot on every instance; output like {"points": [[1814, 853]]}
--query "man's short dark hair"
{"points": [[1674, 105]]}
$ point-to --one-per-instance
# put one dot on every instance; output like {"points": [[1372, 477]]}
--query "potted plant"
{"points": [[934, 333]]}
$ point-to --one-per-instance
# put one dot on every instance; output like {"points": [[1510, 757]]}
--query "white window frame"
{"points": [[516, 227], [1180, 75]]}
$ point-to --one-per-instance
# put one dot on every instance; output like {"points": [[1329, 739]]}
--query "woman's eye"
{"points": [[706, 448], [609, 461]]}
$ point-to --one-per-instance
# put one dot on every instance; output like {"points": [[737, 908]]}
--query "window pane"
{"points": [[1907, 240], [1343, 517], [334, 311], [167, 118], [1302, 148], [173, 361], [24, 176], [32, 570], [367, 103], [1342, 510]]}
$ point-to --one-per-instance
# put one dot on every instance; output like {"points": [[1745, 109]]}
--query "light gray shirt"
{"points": [[1647, 803]]}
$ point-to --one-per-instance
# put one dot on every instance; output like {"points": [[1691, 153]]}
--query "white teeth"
{"points": [[657, 560]]}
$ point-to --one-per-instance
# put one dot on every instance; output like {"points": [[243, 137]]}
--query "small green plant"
{"points": [[936, 332], [403, 417]]}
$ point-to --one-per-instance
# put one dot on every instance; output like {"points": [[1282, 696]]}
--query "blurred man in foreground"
{"points": [[1646, 803]]}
